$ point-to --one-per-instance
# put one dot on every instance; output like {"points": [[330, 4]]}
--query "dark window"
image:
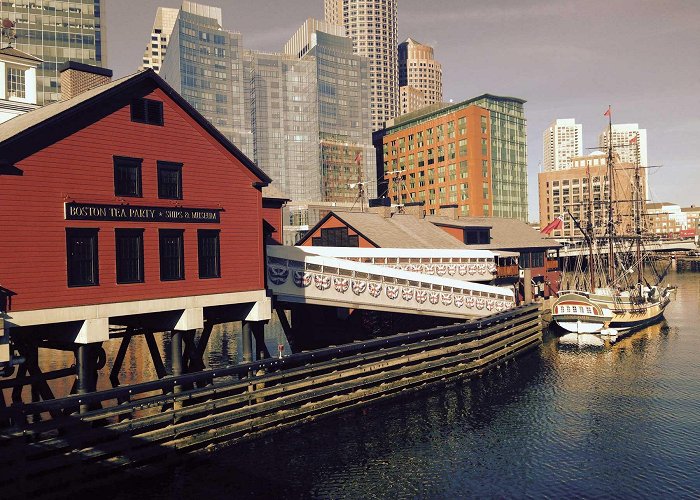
{"points": [[129, 251], [83, 264], [147, 111], [127, 176], [524, 260], [169, 180], [477, 236], [336, 237], [172, 254], [209, 255], [529, 260]]}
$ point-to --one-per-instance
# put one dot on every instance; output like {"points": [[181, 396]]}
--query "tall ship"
{"points": [[610, 292]]}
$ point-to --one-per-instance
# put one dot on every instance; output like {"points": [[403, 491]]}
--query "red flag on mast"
{"points": [[555, 224], [607, 113]]}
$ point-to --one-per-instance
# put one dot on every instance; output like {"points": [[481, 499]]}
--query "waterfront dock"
{"points": [[53, 444]]}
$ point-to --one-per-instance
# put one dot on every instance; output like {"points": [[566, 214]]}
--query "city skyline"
{"points": [[565, 59]]}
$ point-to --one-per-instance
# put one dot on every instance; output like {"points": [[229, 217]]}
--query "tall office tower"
{"points": [[508, 154], [561, 141], [285, 122], [266, 104], [344, 123], [420, 75], [629, 141], [372, 25], [160, 34], [57, 32], [206, 65]]}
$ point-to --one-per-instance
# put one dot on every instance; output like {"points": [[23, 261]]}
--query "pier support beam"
{"points": [[176, 352], [247, 341], [176, 362], [259, 334], [86, 372]]}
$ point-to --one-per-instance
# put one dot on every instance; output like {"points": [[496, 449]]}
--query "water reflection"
{"points": [[223, 349], [620, 421], [614, 422]]}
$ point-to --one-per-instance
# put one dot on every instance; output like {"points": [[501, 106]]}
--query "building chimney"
{"points": [[381, 210], [381, 206], [449, 211], [415, 208], [77, 78]]}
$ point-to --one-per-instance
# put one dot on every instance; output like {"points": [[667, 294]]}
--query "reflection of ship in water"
{"points": [[644, 343]]}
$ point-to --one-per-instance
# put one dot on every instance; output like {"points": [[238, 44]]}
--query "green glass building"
{"points": [[55, 32], [508, 147], [508, 154]]}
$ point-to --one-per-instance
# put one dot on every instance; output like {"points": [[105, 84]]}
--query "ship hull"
{"points": [[576, 313], [629, 315], [592, 313]]}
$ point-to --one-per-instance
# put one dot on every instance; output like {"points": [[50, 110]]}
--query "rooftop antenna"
{"points": [[8, 31], [360, 185]]}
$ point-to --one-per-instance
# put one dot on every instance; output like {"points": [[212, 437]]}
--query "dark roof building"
{"points": [[373, 230], [504, 233]]}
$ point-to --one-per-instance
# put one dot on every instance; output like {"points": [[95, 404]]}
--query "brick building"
{"points": [[439, 158]]}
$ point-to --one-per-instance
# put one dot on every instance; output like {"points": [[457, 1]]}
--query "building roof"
{"points": [[437, 110], [270, 192], [461, 222], [690, 209], [656, 206], [506, 234], [13, 52], [413, 41], [29, 132], [86, 68], [398, 231]]}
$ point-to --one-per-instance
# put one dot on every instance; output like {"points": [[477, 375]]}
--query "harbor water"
{"points": [[619, 421]]}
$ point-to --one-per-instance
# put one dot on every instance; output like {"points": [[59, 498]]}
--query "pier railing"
{"points": [[139, 424]]}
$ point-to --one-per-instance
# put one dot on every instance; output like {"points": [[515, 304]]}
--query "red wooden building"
{"points": [[124, 206]]}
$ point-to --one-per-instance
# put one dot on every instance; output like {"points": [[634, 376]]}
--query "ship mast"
{"points": [[589, 230], [638, 212], [611, 218]]}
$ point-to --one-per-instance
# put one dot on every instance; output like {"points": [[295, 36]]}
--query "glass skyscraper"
{"points": [[373, 27], [508, 154], [344, 119], [55, 32], [302, 115]]}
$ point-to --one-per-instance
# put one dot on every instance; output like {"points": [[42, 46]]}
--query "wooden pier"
{"points": [[83, 441]]}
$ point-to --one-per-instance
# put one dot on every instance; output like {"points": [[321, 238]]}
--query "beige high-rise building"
{"points": [[582, 189], [160, 35], [561, 142], [372, 25], [420, 76]]}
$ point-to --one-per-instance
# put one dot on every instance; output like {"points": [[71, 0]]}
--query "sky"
{"points": [[567, 58]]}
